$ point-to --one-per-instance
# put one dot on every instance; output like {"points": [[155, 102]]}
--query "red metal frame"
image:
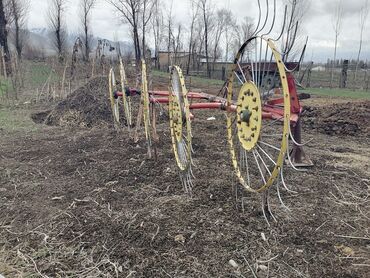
{"points": [[273, 109]]}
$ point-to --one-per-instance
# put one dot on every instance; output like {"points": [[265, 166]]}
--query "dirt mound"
{"points": [[341, 119], [39, 117], [88, 106]]}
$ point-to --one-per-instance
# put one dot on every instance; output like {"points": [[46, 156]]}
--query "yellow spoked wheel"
{"points": [[114, 102], [258, 131], [145, 102], [180, 126], [126, 100]]}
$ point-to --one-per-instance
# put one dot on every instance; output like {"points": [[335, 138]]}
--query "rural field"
{"points": [[79, 198], [195, 138]]}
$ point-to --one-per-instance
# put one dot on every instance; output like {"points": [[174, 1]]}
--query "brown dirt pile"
{"points": [[341, 119], [88, 106]]}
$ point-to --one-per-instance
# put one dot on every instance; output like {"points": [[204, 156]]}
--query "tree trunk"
{"points": [[156, 45], [191, 41], [333, 63], [136, 40], [206, 41], [4, 37], [87, 46], [358, 56], [169, 45], [18, 45]]}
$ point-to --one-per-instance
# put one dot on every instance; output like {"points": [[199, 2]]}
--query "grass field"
{"points": [[195, 80], [38, 74], [16, 120], [5, 86], [336, 92], [356, 94]]}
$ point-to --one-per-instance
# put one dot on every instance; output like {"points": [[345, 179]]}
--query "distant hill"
{"points": [[40, 39]]}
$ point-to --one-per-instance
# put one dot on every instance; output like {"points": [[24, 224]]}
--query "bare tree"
{"points": [[198, 42], [86, 7], [228, 30], [169, 35], [296, 12], [223, 16], [205, 6], [157, 26], [127, 55], [17, 14], [337, 26], [246, 28], [57, 26], [4, 39], [77, 47], [364, 12], [8, 11], [242, 32], [177, 43], [130, 10], [194, 15], [147, 12]]}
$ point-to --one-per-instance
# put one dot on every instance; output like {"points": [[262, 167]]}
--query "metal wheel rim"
{"points": [[113, 102], [181, 145], [145, 102], [126, 100], [238, 156]]}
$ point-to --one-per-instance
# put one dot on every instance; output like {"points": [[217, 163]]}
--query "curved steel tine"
{"points": [[221, 92], [191, 185], [263, 209], [243, 208], [300, 58], [291, 163], [284, 23], [288, 33], [284, 184], [273, 21], [193, 163], [295, 142], [290, 43], [191, 173], [267, 15], [183, 183], [303, 51], [259, 18], [235, 188], [188, 189], [265, 198], [285, 50], [269, 208], [279, 196]]}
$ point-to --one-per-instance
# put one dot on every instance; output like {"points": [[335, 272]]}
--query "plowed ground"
{"points": [[80, 199]]}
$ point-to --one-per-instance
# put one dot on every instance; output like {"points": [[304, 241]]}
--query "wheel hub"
{"points": [[245, 116], [249, 115]]}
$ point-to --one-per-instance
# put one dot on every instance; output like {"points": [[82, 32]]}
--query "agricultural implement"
{"points": [[262, 109]]}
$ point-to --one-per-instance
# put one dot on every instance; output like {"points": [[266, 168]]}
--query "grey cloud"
{"points": [[317, 23]]}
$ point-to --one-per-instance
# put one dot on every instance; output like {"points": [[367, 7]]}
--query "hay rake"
{"points": [[124, 98], [262, 109]]}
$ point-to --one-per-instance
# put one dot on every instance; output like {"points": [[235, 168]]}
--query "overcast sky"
{"points": [[317, 23]]}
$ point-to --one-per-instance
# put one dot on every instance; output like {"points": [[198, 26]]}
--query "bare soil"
{"points": [[339, 118], [81, 199]]}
